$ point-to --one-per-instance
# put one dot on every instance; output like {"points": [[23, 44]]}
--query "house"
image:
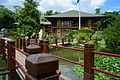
{"points": [[62, 23]]}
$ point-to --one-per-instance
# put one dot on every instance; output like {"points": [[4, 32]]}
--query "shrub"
{"points": [[71, 33], [84, 34], [106, 63], [112, 36], [97, 37], [86, 30], [53, 36]]}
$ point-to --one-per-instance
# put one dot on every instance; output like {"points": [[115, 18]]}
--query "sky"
{"points": [[66, 5]]}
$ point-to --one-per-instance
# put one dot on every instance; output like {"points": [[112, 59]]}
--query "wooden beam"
{"points": [[3, 69], [4, 73]]}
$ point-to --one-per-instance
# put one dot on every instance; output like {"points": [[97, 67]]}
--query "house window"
{"points": [[84, 22], [67, 23]]}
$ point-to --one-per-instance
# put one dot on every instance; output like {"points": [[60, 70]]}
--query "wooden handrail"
{"points": [[3, 69], [4, 73]]}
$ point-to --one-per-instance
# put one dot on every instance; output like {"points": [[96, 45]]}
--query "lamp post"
{"points": [[79, 16]]}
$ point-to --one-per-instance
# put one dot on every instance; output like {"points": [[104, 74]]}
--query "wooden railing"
{"points": [[74, 26], [88, 56]]}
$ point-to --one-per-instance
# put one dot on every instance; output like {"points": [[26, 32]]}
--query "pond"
{"points": [[66, 67]]}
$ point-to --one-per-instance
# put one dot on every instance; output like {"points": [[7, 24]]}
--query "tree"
{"points": [[97, 11], [56, 12], [29, 18], [112, 35], [51, 12], [6, 18], [2, 6], [84, 34], [110, 17], [17, 10]]}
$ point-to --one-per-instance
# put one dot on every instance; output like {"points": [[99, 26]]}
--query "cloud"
{"points": [[10, 3], [110, 11], [65, 5], [59, 5]]}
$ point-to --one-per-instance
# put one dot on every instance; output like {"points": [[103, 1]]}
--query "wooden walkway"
{"points": [[21, 58]]}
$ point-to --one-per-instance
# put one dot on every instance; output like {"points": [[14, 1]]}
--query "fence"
{"points": [[8, 48], [88, 59], [88, 56]]}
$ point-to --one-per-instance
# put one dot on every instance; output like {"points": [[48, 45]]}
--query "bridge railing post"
{"points": [[40, 67], [41, 45], [68, 40], [11, 63], [21, 43], [88, 61], [63, 39], [45, 47], [56, 41], [28, 40], [2, 46], [3, 51], [17, 43], [24, 44]]}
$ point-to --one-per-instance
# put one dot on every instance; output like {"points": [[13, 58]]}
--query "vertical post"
{"points": [[17, 43], [88, 62], [3, 49], [69, 40], [36, 40], [41, 45], [21, 43], [0, 46], [28, 40], [11, 63], [45, 47], [24, 45], [63, 41], [40, 67], [56, 41]]}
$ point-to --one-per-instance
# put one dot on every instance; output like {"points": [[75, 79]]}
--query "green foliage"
{"points": [[107, 63], [33, 2], [44, 19], [51, 12], [53, 36], [97, 11], [84, 34], [71, 33], [6, 18], [2, 6], [112, 36], [110, 17], [86, 30], [29, 21], [17, 10], [97, 37]]}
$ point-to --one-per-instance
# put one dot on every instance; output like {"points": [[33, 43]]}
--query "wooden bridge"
{"points": [[17, 54]]}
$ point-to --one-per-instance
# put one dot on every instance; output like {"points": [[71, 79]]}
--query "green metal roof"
{"points": [[74, 13]]}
